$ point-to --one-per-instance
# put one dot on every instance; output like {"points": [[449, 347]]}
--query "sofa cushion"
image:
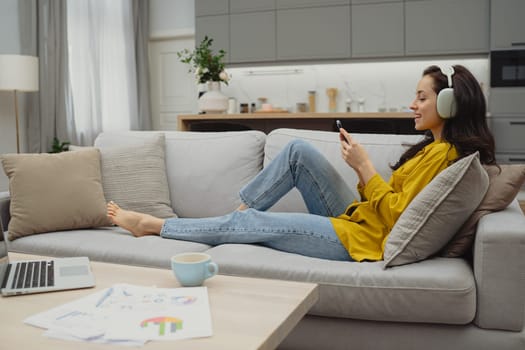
{"points": [[51, 192], [383, 150], [504, 184], [134, 176], [437, 212], [110, 244], [205, 170], [437, 290]]}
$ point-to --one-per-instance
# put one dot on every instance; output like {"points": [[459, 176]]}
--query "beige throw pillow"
{"points": [[53, 192], [504, 185], [437, 212]]}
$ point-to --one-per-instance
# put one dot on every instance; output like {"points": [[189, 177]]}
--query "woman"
{"points": [[333, 229]]}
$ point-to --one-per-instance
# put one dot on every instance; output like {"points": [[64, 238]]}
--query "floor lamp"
{"points": [[18, 73]]}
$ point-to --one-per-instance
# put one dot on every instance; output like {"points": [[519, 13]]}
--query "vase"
{"points": [[213, 100]]}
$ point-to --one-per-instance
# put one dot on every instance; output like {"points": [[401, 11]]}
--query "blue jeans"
{"points": [[298, 165]]}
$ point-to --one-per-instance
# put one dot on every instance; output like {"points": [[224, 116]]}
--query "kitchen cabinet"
{"points": [[446, 26], [290, 4], [282, 30], [507, 102], [313, 33], [509, 158], [252, 37], [217, 28], [507, 122], [378, 29], [508, 133], [211, 7], [507, 24], [240, 6]]}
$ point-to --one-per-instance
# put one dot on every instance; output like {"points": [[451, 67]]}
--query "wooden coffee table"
{"points": [[247, 313]]}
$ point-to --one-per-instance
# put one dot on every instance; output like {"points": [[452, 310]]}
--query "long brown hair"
{"points": [[468, 130]]}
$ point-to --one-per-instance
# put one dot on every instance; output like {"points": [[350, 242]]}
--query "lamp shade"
{"points": [[18, 72]]}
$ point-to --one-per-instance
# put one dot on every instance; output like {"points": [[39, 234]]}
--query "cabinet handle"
{"points": [[518, 44], [521, 160], [517, 123]]}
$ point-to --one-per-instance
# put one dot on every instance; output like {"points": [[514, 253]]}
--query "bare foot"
{"points": [[242, 207], [138, 224]]}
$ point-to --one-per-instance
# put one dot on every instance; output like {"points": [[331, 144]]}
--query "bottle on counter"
{"points": [[332, 99], [361, 104], [348, 104], [311, 101]]}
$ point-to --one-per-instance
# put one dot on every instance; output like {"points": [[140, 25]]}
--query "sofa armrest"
{"points": [[5, 215], [499, 269]]}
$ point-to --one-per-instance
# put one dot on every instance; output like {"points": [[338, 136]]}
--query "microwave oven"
{"points": [[507, 68]]}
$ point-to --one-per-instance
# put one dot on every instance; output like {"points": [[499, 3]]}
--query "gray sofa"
{"points": [[439, 303]]}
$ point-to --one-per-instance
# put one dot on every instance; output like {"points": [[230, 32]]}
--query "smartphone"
{"points": [[339, 127]]}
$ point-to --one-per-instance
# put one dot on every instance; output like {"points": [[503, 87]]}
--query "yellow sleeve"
{"points": [[360, 190], [388, 203]]}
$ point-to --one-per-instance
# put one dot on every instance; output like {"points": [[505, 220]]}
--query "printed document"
{"points": [[130, 315]]}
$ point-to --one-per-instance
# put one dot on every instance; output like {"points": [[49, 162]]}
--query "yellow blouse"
{"points": [[365, 226]]}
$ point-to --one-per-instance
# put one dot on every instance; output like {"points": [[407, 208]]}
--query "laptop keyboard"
{"points": [[33, 274]]}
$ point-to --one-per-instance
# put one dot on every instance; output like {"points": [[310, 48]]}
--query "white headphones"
{"points": [[446, 103]]}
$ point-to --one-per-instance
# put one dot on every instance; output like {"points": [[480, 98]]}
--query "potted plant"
{"points": [[58, 146], [208, 69]]}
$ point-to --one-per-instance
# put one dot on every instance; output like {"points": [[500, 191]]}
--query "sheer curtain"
{"points": [[102, 65], [93, 68]]}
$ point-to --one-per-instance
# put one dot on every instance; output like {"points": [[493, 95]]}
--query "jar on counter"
{"points": [[232, 105], [260, 102], [244, 108], [301, 107]]}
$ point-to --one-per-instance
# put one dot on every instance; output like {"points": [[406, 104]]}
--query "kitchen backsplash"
{"points": [[376, 86]]}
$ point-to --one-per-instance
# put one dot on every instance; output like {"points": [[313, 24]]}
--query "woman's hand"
{"points": [[355, 155]]}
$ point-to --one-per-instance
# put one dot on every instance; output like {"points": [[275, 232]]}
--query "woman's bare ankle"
{"points": [[138, 224], [242, 207], [151, 225]]}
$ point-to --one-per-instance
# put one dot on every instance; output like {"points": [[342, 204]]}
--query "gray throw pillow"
{"points": [[135, 177], [437, 212]]}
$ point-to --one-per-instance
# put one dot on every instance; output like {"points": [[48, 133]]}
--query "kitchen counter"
{"points": [[373, 122]]}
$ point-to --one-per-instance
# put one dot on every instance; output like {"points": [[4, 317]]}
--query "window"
{"points": [[102, 66]]}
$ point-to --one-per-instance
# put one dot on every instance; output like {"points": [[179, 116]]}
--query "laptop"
{"points": [[37, 276]]}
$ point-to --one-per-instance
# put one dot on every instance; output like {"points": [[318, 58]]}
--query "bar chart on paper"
{"points": [[164, 324]]}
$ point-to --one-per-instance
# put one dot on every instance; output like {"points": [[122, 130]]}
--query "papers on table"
{"points": [[130, 315]]}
